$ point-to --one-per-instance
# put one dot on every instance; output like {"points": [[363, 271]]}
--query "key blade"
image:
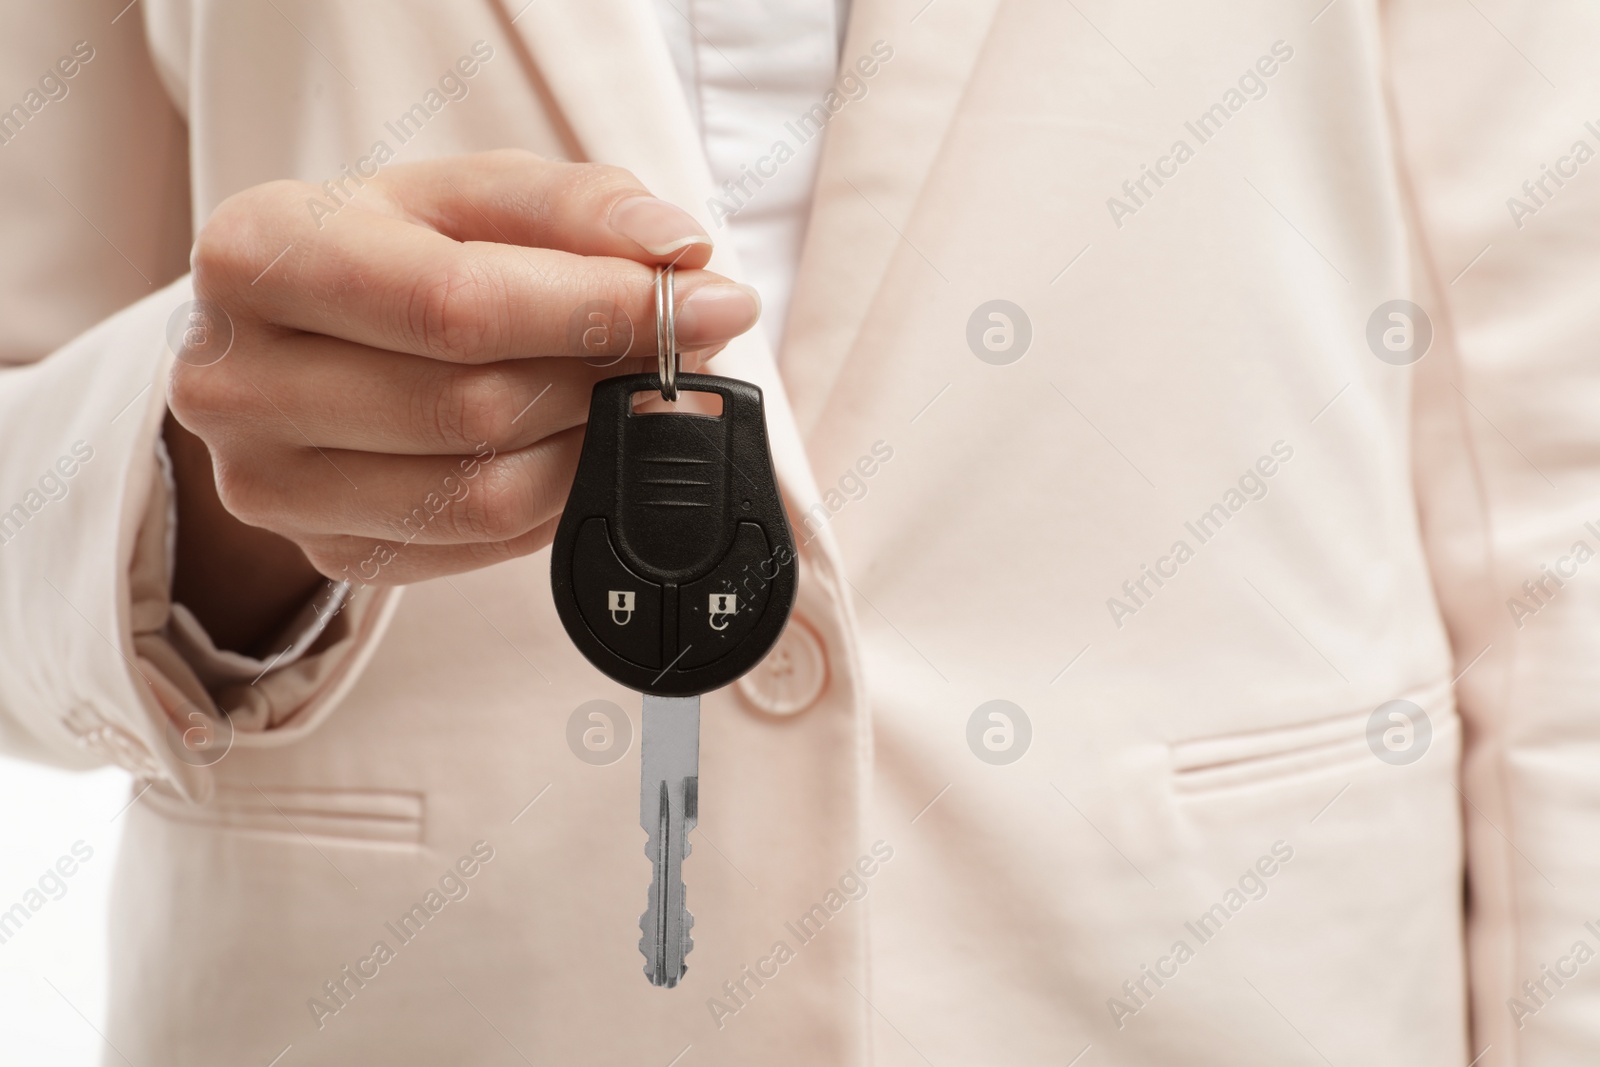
{"points": [[669, 788]]}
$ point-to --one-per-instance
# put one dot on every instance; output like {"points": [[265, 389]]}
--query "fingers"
{"points": [[517, 198], [370, 561], [350, 397], [422, 293], [309, 493], [379, 391], [371, 274]]}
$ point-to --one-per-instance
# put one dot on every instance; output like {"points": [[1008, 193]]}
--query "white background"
{"points": [[64, 943]]}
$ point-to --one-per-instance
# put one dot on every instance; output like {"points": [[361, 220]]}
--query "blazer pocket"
{"points": [[1206, 765], [367, 816]]}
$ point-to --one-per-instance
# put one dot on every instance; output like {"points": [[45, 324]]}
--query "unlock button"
{"points": [[620, 608], [621, 601], [716, 612]]}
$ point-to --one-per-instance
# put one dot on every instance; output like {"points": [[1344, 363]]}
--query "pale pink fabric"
{"points": [[1211, 322]]}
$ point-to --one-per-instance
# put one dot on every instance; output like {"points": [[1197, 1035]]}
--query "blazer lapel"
{"points": [[606, 65], [876, 156]]}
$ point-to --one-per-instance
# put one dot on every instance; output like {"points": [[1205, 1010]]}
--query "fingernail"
{"points": [[716, 313], [656, 226]]}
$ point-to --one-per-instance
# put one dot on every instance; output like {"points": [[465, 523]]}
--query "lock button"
{"points": [[621, 608], [716, 612]]}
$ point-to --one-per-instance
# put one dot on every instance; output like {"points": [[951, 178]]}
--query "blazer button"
{"points": [[791, 677]]}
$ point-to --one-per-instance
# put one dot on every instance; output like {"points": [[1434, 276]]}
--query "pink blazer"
{"points": [[1188, 412]]}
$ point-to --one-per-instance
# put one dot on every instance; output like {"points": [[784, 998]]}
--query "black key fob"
{"points": [[674, 566]]}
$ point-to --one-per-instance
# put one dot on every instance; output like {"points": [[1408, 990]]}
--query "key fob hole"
{"points": [[690, 402]]}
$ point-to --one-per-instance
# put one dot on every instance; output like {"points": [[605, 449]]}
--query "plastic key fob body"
{"points": [[674, 565]]}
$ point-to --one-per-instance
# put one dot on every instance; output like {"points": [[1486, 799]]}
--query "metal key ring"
{"points": [[668, 360]]}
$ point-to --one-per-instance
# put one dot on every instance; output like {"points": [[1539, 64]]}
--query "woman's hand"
{"points": [[409, 376]]}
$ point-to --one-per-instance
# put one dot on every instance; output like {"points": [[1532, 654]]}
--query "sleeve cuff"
{"points": [[216, 667], [107, 669]]}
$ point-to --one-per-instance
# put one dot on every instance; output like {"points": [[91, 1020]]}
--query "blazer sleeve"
{"points": [[1498, 140], [94, 206]]}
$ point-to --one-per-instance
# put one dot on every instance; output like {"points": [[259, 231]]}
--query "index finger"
{"points": [[476, 302], [416, 275]]}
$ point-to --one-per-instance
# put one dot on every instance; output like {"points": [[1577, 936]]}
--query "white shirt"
{"points": [[750, 72]]}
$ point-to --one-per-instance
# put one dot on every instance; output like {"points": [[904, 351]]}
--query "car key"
{"points": [[674, 572]]}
